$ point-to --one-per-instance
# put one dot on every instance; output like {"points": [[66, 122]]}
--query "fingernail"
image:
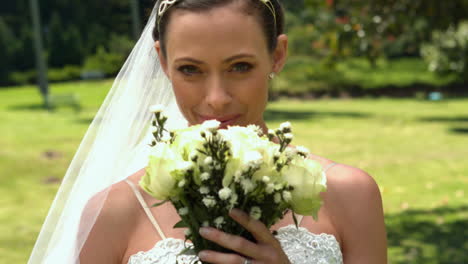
{"points": [[204, 231]]}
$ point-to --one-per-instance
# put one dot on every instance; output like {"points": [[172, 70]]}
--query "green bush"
{"points": [[448, 51], [22, 78], [105, 62], [67, 73]]}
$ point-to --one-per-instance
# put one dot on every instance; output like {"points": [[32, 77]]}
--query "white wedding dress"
{"points": [[300, 245]]}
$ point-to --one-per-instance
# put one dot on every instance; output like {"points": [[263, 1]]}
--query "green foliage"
{"points": [[306, 74], [69, 72], [103, 61], [110, 62], [448, 51], [65, 44], [23, 78], [377, 28]]}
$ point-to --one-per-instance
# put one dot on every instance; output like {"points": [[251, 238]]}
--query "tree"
{"points": [[8, 44]]}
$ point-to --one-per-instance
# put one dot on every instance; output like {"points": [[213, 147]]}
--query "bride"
{"points": [[203, 59]]}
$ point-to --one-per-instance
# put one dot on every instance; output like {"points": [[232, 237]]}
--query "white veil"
{"points": [[114, 147]]}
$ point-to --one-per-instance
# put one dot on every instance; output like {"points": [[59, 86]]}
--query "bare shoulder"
{"points": [[107, 240], [350, 185], [354, 204]]}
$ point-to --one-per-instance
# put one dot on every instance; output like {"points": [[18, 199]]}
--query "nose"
{"points": [[217, 94]]}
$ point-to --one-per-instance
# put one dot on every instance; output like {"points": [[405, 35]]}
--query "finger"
{"points": [[256, 228], [218, 257], [229, 241]]}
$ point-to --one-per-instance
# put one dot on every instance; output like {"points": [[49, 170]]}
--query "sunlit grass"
{"points": [[416, 150]]}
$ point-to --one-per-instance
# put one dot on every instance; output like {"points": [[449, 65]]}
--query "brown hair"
{"points": [[271, 28]]}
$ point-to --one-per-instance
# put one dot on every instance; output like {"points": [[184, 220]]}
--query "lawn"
{"points": [[416, 150]]}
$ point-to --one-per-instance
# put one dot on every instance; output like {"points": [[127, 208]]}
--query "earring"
{"points": [[272, 75]]}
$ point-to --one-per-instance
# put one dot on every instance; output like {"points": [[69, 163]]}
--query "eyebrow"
{"points": [[235, 57]]}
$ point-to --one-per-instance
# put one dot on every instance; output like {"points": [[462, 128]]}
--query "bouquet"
{"points": [[205, 171]]}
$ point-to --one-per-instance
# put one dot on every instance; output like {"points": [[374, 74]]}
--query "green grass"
{"points": [[416, 150]]}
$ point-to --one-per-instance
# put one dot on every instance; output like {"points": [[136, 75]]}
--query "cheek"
{"points": [[255, 95], [186, 97]]}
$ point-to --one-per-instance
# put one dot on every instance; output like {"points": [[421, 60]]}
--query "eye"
{"points": [[241, 67], [189, 69]]}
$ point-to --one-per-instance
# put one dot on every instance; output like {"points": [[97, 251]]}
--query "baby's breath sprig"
{"points": [[158, 126], [284, 135]]}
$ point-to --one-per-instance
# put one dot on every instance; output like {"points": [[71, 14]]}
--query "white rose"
{"points": [[160, 178], [308, 180], [187, 141]]}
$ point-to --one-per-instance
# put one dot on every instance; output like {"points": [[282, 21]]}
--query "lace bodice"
{"points": [[300, 245]]}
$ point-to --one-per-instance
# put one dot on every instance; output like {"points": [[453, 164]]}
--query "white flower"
{"points": [[271, 132], [361, 33], [256, 129], [287, 196], [377, 19], [159, 180], [266, 179], [308, 180], [157, 108], [205, 224], [183, 211], [193, 156], [211, 125], [204, 190], [288, 136], [187, 232], [253, 158], [181, 183], [224, 193], [218, 221], [277, 198], [247, 185], [255, 212], [286, 126], [187, 141], [237, 176], [290, 152], [209, 201], [233, 200], [270, 188], [165, 138], [347, 27], [303, 150], [208, 160], [205, 176], [184, 166]]}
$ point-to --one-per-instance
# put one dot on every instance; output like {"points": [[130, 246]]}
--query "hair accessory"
{"points": [[166, 4]]}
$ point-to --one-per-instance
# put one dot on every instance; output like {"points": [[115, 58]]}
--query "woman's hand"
{"points": [[267, 249]]}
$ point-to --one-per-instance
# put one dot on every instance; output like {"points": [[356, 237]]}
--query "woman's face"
{"points": [[218, 63]]}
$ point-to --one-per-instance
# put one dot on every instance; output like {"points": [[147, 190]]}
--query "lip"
{"points": [[227, 120]]}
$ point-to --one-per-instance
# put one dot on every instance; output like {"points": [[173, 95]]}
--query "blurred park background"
{"points": [[380, 85]]}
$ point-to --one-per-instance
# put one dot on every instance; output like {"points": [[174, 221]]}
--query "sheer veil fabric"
{"points": [[114, 147]]}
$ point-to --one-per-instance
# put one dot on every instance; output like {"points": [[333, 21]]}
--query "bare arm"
{"points": [[357, 212], [107, 240]]}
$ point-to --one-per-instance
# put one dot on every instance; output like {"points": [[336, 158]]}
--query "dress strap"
{"points": [[146, 208], [329, 166]]}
